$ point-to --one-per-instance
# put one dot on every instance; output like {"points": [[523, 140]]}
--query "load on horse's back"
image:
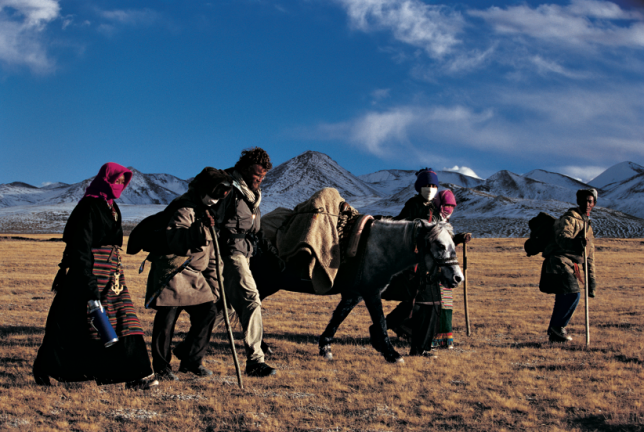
{"points": [[316, 265]]}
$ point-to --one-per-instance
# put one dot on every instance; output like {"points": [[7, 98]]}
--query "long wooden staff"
{"points": [[223, 299], [586, 287], [467, 313]]}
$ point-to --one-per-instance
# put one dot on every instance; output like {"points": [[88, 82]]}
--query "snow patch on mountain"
{"points": [[297, 179], [616, 174], [556, 179], [507, 184]]}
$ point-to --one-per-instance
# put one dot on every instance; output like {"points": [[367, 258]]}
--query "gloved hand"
{"points": [[462, 238], [591, 288], [581, 244], [208, 220]]}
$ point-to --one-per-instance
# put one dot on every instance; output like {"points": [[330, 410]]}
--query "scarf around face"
{"points": [[103, 185], [252, 198]]}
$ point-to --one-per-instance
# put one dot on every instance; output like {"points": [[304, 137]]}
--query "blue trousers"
{"points": [[565, 305]]}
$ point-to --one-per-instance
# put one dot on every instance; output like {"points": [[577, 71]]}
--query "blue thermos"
{"points": [[101, 323]]}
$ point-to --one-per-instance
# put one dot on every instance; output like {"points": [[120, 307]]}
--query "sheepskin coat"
{"points": [[564, 251]]}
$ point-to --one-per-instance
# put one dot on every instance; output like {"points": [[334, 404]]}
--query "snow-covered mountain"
{"points": [[507, 184], [488, 215], [616, 174], [143, 189], [297, 179], [556, 179], [626, 196], [390, 182], [497, 207]]}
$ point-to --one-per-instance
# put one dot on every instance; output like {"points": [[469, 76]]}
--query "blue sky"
{"points": [[173, 86]]}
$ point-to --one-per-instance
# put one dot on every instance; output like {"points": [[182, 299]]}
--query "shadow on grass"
{"points": [[622, 358], [526, 345], [20, 330], [598, 423], [7, 360]]}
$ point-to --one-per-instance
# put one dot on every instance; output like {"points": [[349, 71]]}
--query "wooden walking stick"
{"points": [[586, 287], [223, 299], [467, 313]]}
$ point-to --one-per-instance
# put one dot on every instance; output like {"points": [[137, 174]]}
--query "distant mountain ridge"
{"points": [[498, 206], [143, 189]]}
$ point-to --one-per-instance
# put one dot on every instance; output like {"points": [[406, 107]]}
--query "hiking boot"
{"points": [[142, 384], [260, 370], [200, 370], [558, 335], [166, 375]]}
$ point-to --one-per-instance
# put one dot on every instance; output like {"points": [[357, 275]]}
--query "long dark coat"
{"points": [[68, 352]]}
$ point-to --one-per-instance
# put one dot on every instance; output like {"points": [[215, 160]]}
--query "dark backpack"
{"points": [[150, 234], [541, 233]]}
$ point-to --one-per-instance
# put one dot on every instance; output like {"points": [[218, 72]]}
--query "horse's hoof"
{"points": [[326, 353], [394, 358]]}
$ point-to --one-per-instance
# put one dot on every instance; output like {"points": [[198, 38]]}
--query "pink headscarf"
{"points": [[103, 185], [445, 198]]}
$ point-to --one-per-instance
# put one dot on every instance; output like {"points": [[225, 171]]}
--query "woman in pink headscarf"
{"points": [[91, 270], [446, 203]]}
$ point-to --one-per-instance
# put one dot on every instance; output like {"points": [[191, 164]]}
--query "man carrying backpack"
{"points": [[187, 276], [562, 273]]}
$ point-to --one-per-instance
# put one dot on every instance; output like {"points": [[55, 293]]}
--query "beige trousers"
{"points": [[243, 296]]}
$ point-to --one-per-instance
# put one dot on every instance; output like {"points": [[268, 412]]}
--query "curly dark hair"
{"points": [[251, 156]]}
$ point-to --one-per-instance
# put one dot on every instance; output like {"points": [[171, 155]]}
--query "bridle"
{"points": [[439, 263]]}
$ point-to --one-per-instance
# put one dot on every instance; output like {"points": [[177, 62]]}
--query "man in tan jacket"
{"points": [[194, 287], [563, 268]]}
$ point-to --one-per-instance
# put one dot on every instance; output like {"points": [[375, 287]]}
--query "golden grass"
{"points": [[505, 377]]}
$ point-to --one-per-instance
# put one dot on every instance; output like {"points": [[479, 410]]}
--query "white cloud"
{"points": [[545, 67], [572, 125], [583, 22], [131, 17], [462, 170], [379, 94], [430, 27], [22, 23]]}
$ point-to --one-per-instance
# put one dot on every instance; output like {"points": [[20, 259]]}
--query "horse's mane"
{"points": [[438, 228]]}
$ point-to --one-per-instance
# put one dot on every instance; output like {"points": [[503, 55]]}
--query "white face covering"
{"points": [[428, 193], [209, 201]]}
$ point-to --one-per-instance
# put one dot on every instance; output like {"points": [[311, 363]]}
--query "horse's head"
{"points": [[438, 253]]}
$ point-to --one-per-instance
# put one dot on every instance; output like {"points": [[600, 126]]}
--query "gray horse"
{"points": [[386, 248]]}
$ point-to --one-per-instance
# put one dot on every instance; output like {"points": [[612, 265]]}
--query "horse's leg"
{"points": [[343, 309], [378, 331]]}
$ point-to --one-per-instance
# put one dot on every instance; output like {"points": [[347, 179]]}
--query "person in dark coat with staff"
{"points": [[193, 286], [563, 268], [91, 272]]}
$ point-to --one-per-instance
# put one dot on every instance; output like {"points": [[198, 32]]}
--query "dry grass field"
{"points": [[506, 376]]}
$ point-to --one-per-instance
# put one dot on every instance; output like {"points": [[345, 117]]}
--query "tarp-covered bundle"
{"points": [[308, 237]]}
